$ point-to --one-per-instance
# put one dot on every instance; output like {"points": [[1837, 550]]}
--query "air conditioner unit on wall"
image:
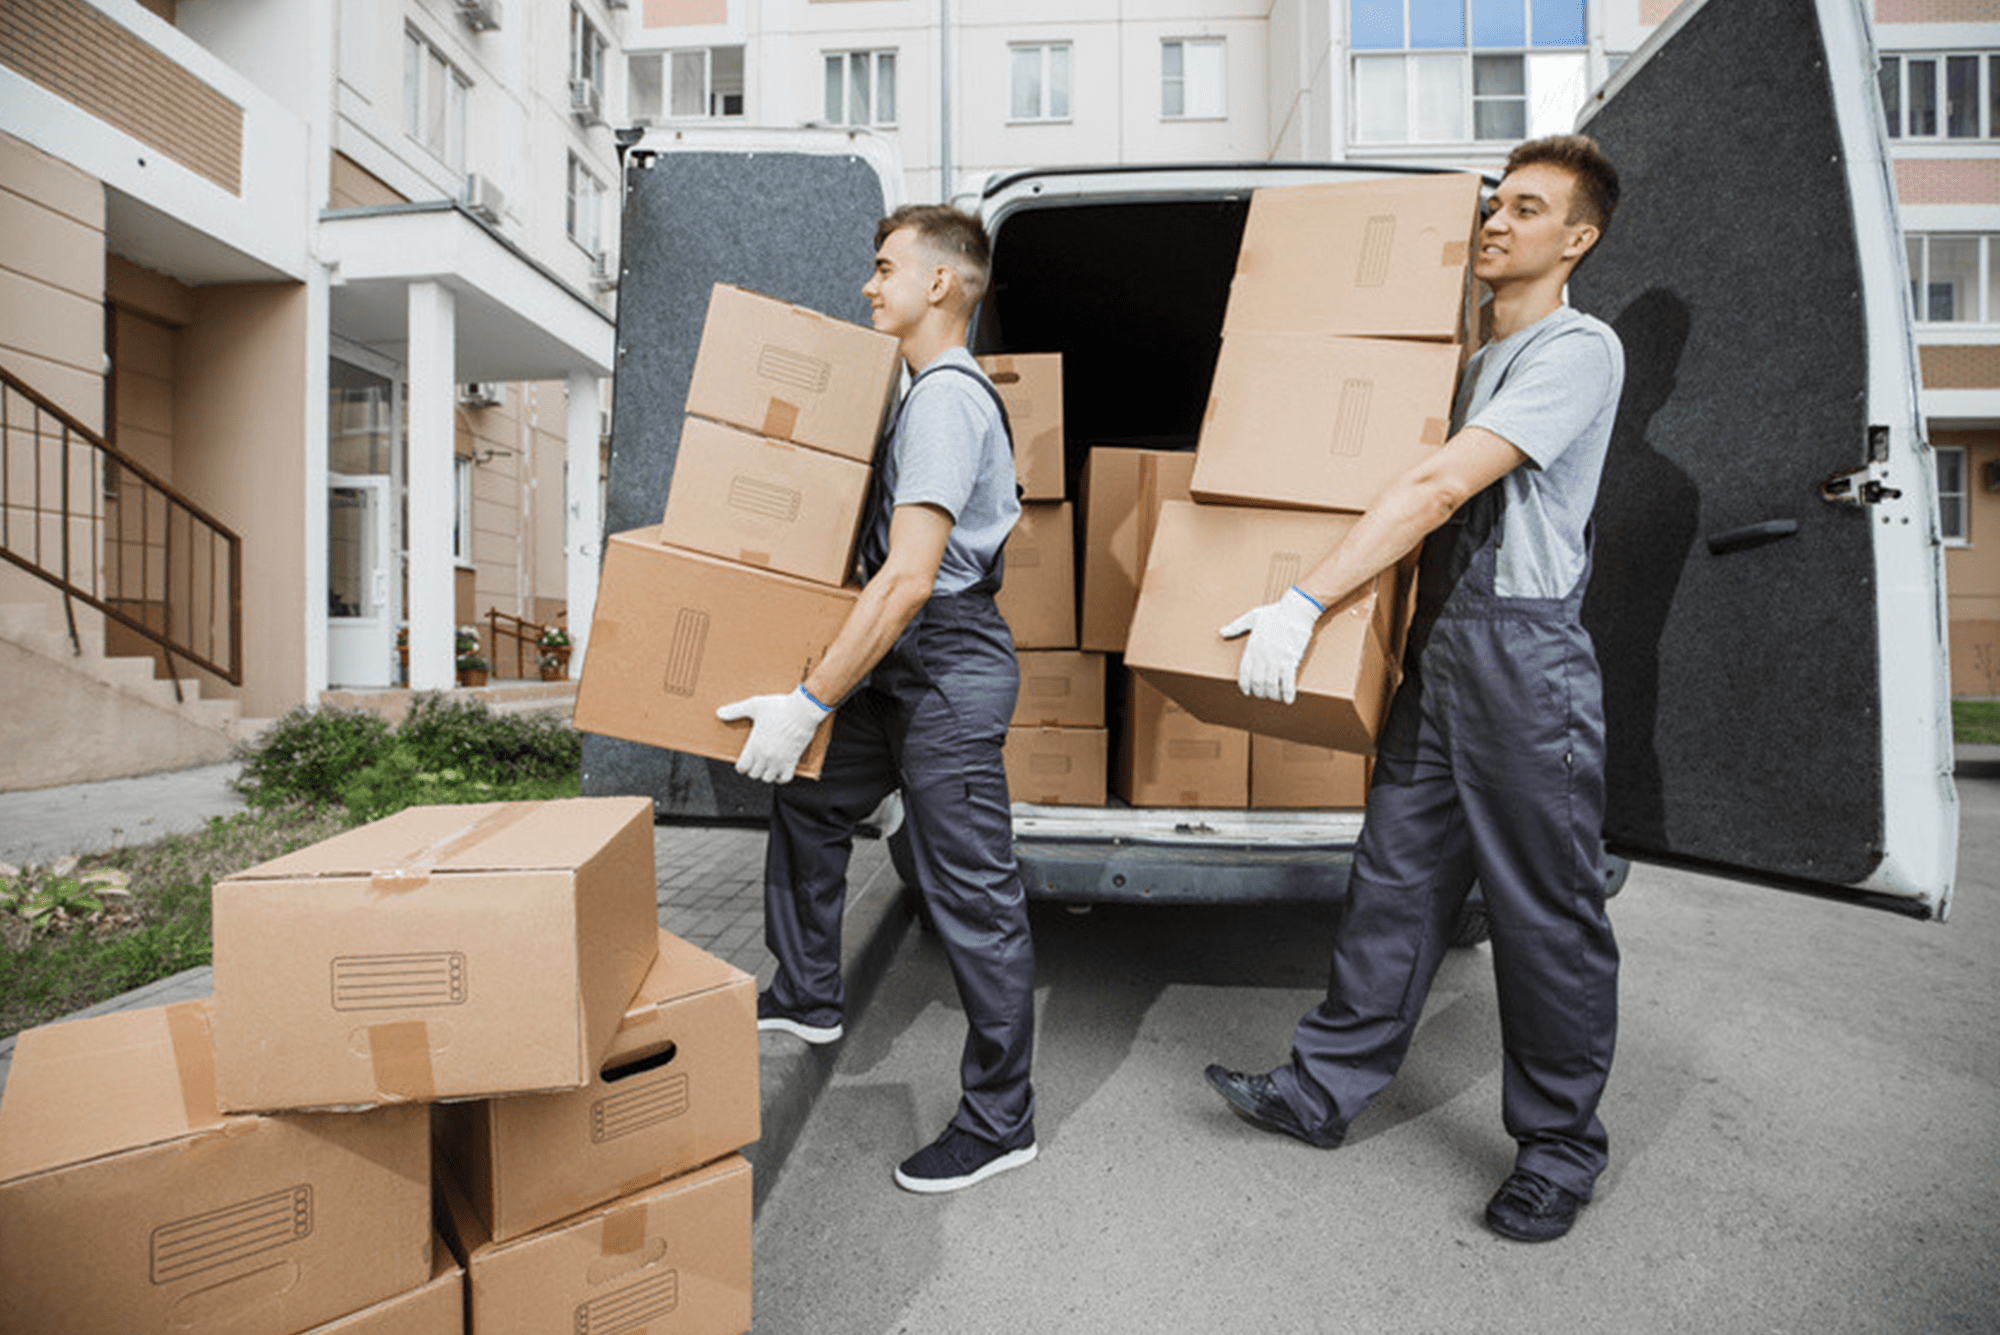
{"points": [[603, 272], [1993, 475], [480, 393], [483, 197], [617, 4], [585, 102], [480, 15]]}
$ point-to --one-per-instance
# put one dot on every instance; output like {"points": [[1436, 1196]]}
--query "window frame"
{"points": [[591, 203], [1984, 287], [711, 99], [1962, 537], [461, 505], [589, 51], [1542, 65], [1898, 106], [427, 71], [876, 58], [1221, 45], [1046, 114]]}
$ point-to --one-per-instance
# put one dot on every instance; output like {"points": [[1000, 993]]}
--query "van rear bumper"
{"points": [[1089, 855]]}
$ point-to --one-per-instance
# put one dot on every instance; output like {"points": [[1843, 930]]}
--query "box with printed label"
{"points": [[1294, 776], [1386, 258], [765, 503], [130, 1202], [793, 374], [1057, 766], [1122, 493], [436, 1308], [1038, 585], [1060, 688], [444, 952], [673, 1257], [677, 634], [676, 1089], [1169, 758], [1031, 385], [1320, 423], [1212, 563]]}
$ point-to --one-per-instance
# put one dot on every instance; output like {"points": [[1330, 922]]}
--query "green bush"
{"points": [[307, 755]]}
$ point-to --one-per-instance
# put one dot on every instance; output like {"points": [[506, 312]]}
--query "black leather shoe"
{"points": [[1530, 1208], [1256, 1100]]}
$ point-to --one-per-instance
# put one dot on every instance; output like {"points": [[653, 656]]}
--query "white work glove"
{"points": [[782, 726], [1279, 633]]}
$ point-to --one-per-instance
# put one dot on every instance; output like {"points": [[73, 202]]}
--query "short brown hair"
{"points": [[959, 239], [1578, 154]]}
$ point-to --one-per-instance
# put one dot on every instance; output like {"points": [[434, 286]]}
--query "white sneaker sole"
{"points": [[815, 1034], [933, 1186]]}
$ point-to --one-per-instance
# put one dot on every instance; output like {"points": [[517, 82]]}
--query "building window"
{"points": [[434, 97], [1951, 469], [701, 83], [587, 52], [586, 207], [1954, 279], [1191, 80], [1941, 95], [1452, 71], [860, 87], [461, 509], [1038, 82]]}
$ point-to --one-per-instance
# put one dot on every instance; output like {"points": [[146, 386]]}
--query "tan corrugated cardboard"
{"points": [[1057, 766], [1169, 758], [1060, 688], [437, 1308], [1038, 590], [765, 503], [1031, 385], [1122, 493], [1292, 776]]}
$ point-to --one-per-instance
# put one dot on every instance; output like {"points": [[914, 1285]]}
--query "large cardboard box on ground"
{"points": [[1320, 423], [1031, 385], [1060, 688], [793, 374], [676, 1089], [1169, 758], [130, 1203], [1384, 258], [1210, 564], [1057, 766], [1292, 776], [440, 953], [437, 1308], [1122, 493], [1038, 586], [673, 1258], [678, 634], [765, 503]]}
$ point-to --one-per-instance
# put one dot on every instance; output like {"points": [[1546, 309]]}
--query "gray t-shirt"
{"points": [[950, 450], [1551, 391]]}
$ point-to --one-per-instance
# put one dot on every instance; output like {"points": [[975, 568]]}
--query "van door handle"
{"points": [[1752, 535]]}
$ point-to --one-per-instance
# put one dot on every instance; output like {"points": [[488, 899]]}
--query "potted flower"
{"points": [[554, 668], [554, 644], [472, 666]]}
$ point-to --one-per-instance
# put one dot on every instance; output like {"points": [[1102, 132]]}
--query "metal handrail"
{"points": [[526, 634], [81, 515]]}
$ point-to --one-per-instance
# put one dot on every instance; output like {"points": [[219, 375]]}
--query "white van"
{"points": [[1768, 593]]}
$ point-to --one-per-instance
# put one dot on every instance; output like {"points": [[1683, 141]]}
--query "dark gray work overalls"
{"points": [[931, 719], [1491, 764]]}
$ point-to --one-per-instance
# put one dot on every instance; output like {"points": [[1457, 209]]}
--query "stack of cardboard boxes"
{"points": [[486, 981], [1349, 318], [749, 576]]}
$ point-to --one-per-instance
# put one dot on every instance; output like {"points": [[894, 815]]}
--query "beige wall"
{"points": [[52, 279], [1972, 572], [239, 452], [517, 511], [354, 186]]}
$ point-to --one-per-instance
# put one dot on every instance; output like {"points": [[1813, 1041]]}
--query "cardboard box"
{"points": [[765, 503], [440, 953], [130, 1202], [1122, 493], [1169, 758], [1038, 586], [1321, 423], [1292, 776], [676, 1089], [1057, 766], [673, 1258], [793, 374], [1385, 258], [1031, 385], [678, 634], [1060, 688], [1212, 563], [438, 1308]]}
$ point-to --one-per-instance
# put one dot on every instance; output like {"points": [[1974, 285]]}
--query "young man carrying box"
{"points": [[924, 678], [1491, 762]]}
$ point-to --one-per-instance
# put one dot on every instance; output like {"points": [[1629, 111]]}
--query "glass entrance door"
{"points": [[360, 624]]}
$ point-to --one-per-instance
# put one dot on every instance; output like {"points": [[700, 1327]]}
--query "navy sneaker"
{"points": [[958, 1159], [772, 1017], [1530, 1208], [1256, 1100]]}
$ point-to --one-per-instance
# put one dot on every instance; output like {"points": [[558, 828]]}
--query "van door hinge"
{"points": [[1865, 485]]}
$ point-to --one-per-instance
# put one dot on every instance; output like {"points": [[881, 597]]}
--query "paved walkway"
{"points": [[709, 883]]}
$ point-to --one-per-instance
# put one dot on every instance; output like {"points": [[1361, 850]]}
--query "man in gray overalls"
{"points": [[1491, 760], [924, 677]]}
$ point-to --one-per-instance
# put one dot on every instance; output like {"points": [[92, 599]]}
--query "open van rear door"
{"points": [[1768, 595]]}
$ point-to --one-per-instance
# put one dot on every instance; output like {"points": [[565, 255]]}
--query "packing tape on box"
{"points": [[400, 1052], [780, 419], [194, 1060], [414, 872], [1456, 253], [624, 1231], [1435, 429]]}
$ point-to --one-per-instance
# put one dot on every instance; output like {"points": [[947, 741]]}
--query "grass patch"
{"points": [[313, 775], [1976, 722]]}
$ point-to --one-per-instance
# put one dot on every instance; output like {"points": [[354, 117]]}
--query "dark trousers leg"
{"points": [[806, 857]]}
